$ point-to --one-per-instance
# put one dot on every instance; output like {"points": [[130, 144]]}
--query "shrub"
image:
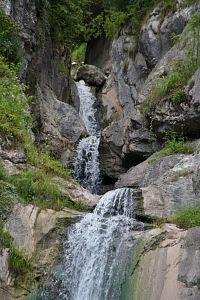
{"points": [[171, 86], [8, 197], [14, 121], [114, 22], [9, 42], [187, 217], [78, 55]]}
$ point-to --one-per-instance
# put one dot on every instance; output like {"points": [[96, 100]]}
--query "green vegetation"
{"points": [[78, 55], [19, 264], [177, 146], [74, 22], [171, 86], [181, 173], [14, 121], [198, 283], [38, 188], [187, 217], [174, 144], [35, 187], [9, 40], [8, 197]]}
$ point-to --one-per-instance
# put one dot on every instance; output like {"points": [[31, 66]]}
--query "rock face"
{"points": [[56, 129], [127, 135], [91, 75], [38, 234], [166, 263], [46, 71], [167, 184]]}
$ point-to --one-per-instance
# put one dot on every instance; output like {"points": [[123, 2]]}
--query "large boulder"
{"points": [[91, 75], [166, 262], [56, 131], [167, 184]]}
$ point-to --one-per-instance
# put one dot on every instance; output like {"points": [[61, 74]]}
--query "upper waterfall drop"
{"points": [[98, 249], [86, 163]]}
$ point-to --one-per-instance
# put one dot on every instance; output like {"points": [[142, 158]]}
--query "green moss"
{"points": [[62, 69], [181, 173], [187, 217]]}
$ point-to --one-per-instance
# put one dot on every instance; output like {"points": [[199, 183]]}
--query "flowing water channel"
{"points": [[97, 248], [86, 162]]}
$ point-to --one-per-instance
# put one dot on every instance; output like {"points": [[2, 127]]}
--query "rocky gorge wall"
{"points": [[133, 65], [166, 259], [46, 71]]}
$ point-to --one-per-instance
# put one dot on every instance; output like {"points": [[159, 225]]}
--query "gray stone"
{"points": [[56, 129], [166, 263], [91, 75]]}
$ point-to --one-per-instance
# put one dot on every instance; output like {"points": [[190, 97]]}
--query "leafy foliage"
{"points": [[78, 55], [67, 19], [14, 120], [9, 40]]}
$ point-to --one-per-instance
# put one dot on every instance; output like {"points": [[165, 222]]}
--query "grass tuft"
{"points": [[187, 217]]}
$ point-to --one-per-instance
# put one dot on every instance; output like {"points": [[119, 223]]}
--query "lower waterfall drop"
{"points": [[97, 250]]}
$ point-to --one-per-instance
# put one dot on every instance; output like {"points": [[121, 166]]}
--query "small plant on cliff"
{"points": [[19, 264], [14, 120], [187, 217], [175, 143], [37, 187], [9, 40]]}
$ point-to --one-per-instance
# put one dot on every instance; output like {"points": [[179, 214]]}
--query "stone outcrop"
{"points": [[91, 75], [166, 262], [133, 65], [38, 234], [46, 72], [167, 184]]}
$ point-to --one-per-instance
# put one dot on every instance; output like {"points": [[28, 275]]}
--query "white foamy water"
{"points": [[86, 163], [98, 249]]}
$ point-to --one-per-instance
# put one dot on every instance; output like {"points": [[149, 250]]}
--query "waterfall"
{"points": [[97, 250], [86, 164]]}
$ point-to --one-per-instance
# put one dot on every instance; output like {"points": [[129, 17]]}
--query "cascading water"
{"points": [[98, 249], [86, 164]]}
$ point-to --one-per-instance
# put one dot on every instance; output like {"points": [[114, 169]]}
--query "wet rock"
{"points": [[91, 75], [166, 262]]}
